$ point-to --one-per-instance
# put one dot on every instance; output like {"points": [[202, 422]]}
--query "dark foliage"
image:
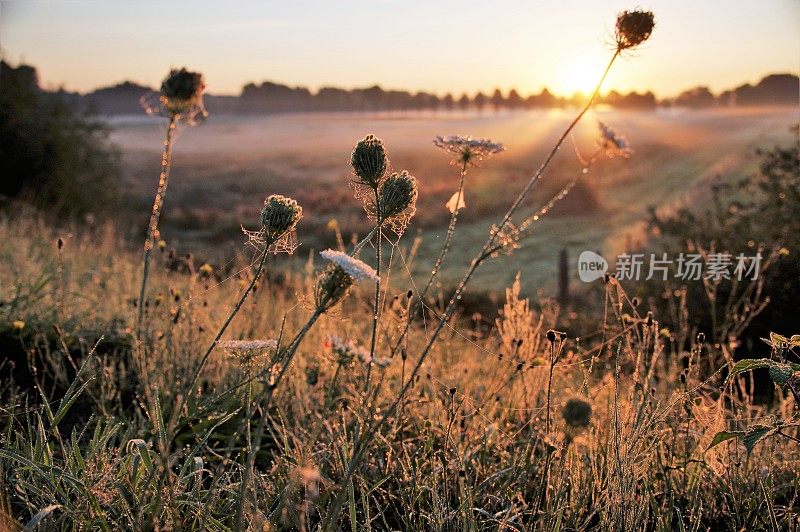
{"points": [[760, 209], [52, 155]]}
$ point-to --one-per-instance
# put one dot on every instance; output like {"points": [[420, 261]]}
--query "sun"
{"points": [[580, 75]]}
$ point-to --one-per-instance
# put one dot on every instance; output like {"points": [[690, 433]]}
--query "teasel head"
{"points": [[577, 413], [369, 161], [633, 28], [335, 281], [279, 217], [397, 201], [182, 90]]}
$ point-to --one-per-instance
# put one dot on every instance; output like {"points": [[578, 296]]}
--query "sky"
{"points": [[437, 46]]}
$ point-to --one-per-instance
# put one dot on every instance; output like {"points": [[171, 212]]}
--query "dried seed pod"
{"points": [[633, 28], [279, 217], [577, 412], [181, 90], [369, 161]]}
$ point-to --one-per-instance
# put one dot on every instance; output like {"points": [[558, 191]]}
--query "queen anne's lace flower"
{"points": [[249, 351], [612, 142], [467, 149], [249, 345], [347, 350], [353, 267]]}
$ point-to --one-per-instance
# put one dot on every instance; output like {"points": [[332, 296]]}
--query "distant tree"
{"points": [[697, 97], [632, 100], [373, 98], [122, 98], [479, 101], [464, 101], [612, 98], [775, 89], [447, 102], [497, 100], [425, 100], [543, 99], [52, 154], [514, 100], [333, 99]]}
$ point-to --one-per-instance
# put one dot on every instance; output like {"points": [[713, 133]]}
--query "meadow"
{"points": [[221, 166], [205, 381]]}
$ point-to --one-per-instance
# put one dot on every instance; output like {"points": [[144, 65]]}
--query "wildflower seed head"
{"points": [[369, 161], [181, 90], [352, 266], [398, 193], [279, 217], [613, 143], [398, 201], [331, 287], [468, 151], [312, 376], [577, 412], [633, 28]]}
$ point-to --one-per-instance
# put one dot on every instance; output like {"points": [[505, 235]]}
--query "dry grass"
{"points": [[467, 449]]}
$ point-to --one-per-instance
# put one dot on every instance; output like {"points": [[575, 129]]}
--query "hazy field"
{"points": [[224, 168]]}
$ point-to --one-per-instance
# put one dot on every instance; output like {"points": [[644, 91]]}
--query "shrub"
{"points": [[53, 154], [759, 210]]}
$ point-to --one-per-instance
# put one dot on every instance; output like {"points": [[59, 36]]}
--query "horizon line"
{"points": [[440, 94]]}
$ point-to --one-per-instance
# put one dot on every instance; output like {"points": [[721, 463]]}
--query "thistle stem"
{"points": [[448, 238], [376, 307], [229, 319], [155, 216], [181, 398], [265, 402], [367, 435]]}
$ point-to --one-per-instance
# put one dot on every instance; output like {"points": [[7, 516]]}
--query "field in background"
{"points": [[224, 168]]}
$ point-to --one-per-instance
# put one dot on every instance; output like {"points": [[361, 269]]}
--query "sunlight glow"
{"points": [[579, 75]]}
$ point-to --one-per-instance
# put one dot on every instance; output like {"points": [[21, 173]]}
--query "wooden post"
{"points": [[563, 278]]}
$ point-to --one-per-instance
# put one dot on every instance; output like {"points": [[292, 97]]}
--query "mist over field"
{"points": [[225, 166]]}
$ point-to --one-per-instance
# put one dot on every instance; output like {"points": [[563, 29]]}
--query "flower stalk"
{"points": [[369, 432], [155, 215]]}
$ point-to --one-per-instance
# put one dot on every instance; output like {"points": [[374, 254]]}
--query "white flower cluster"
{"points": [[468, 148], [353, 267], [249, 347], [348, 350]]}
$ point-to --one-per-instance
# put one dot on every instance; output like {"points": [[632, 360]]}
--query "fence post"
{"points": [[563, 278]]}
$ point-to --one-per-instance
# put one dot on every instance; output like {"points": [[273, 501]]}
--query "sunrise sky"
{"points": [[438, 46]]}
